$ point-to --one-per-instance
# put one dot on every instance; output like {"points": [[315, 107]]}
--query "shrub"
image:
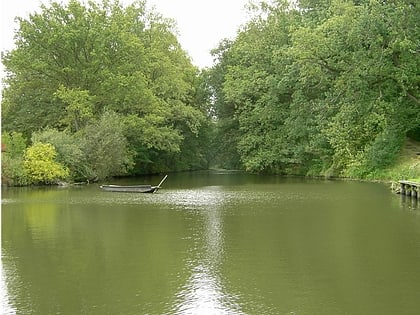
{"points": [[40, 165], [385, 150], [106, 148], [69, 152], [12, 171]]}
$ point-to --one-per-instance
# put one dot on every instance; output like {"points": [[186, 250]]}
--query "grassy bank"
{"points": [[407, 166]]}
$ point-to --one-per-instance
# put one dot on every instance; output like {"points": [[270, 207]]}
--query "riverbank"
{"points": [[407, 166]]}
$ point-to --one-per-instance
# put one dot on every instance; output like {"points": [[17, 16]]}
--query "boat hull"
{"points": [[131, 189]]}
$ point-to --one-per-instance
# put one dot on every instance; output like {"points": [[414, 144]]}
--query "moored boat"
{"points": [[133, 188]]}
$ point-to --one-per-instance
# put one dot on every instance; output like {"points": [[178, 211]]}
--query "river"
{"points": [[211, 243]]}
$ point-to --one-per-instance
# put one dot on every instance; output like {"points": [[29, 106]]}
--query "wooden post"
{"points": [[411, 189], [161, 182], [402, 188]]}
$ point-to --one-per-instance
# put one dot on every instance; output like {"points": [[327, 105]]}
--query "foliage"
{"points": [[225, 135], [414, 133], [105, 148], [14, 143], [69, 151], [12, 171], [40, 165], [307, 87], [74, 63], [321, 88], [407, 166], [79, 107]]}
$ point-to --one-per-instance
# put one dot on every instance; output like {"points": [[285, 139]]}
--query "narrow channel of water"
{"points": [[211, 243]]}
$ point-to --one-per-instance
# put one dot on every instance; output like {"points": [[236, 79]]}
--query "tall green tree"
{"points": [[371, 77], [225, 138], [74, 62], [316, 87], [255, 94]]}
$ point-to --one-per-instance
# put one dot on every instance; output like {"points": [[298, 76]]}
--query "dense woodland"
{"points": [[314, 87]]}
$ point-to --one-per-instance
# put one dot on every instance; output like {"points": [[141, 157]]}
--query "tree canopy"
{"points": [[309, 87], [321, 87], [73, 63]]}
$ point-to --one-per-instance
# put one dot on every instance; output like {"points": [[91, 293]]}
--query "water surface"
{"points": [[211, 243]]}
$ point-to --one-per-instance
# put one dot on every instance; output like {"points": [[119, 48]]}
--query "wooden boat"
{"points": [[134, 188]]}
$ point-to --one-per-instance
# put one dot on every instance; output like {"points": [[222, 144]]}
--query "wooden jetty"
{"points": [[409, 188]]}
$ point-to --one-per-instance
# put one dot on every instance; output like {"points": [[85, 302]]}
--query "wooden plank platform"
{"points": [[409, 188]]}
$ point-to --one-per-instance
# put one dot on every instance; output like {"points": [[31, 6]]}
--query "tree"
{"points": [[255, 94], [317, 87], [225, 135], [75, 62], [371, 91], [79, 107]]}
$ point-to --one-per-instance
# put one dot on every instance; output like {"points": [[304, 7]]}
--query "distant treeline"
{"points": [[323, 87]]}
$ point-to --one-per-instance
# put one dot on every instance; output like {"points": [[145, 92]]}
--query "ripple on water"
{"points": [[197, 198]]}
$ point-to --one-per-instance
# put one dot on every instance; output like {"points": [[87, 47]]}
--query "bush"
{"points": [[40, 165], [12, 171], [106, 148], [385, 150], [69, 152]]}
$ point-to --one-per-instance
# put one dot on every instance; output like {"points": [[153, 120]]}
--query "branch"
{"points": [[413, 98]]}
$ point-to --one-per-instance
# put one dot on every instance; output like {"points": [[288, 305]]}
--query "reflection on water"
{"points": [[203, 293], [211, 244], [409, 203], [5, 305]]}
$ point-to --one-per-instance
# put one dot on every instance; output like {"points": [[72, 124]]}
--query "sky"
{"points": [[202, 24]]}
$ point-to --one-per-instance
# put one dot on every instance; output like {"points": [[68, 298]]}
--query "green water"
{"points": [[211, 243]]}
